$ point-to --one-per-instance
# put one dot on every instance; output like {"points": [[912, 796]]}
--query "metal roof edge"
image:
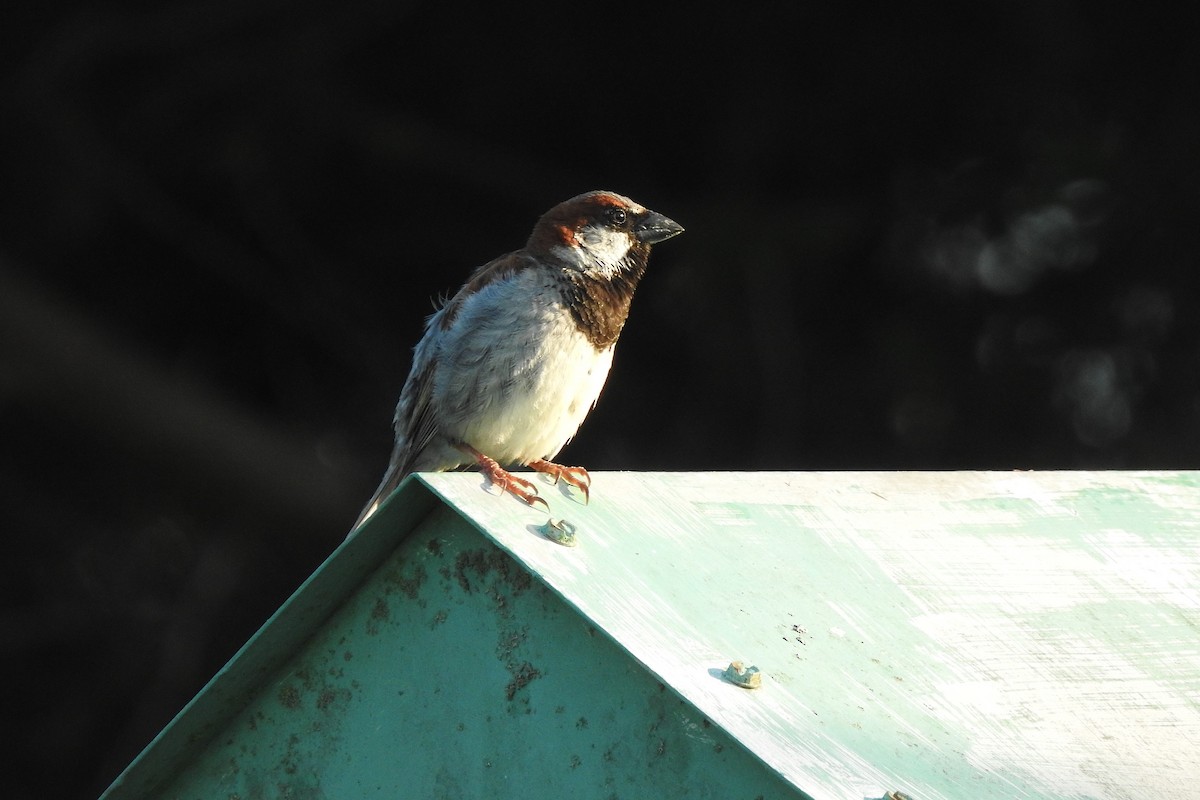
{"points": [[302, 614]]}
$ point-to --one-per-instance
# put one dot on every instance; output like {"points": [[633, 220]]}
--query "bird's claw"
{"points": [[572, 476], [520, 488]]}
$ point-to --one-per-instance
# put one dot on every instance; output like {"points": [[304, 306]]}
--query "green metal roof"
{"points": [[948, 635], [943, 635]]}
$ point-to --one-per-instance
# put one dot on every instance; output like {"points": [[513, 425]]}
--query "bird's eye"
{"points": [[616, 216]]}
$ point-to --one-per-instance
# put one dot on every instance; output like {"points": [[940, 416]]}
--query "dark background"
{"points": [[937, 238]]}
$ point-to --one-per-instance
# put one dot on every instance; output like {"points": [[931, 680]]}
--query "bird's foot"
{"points": [[518, 487], [572, 476]]}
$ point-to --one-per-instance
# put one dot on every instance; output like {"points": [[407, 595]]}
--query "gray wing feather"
{"points": [[414, 422]]}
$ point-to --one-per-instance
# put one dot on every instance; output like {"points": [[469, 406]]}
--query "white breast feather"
{"points": [[524, 377]]}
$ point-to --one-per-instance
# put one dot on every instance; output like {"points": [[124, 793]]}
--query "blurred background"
{"points": [[948, 238]]}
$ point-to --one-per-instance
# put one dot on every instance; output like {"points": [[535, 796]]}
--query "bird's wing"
{"points": [[416, 421], [415, 427]]}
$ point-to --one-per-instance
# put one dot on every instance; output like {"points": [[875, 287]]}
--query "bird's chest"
{"points": [[525, 378]]}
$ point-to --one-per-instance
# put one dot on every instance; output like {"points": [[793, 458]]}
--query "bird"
{"points": [[508, 368]]}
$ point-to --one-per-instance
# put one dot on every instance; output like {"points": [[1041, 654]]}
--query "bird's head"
{"points": [[601, 234]]}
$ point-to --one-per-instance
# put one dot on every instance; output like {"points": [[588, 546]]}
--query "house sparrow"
{"points": [[509, 367]]}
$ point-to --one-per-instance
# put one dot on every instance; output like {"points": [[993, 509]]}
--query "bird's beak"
{"points": [[656, 228]]}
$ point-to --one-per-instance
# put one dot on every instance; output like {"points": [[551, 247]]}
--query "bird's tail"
{"points": [[391, 479]]}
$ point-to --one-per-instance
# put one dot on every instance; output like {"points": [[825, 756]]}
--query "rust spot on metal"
{"points": [[472, 567], [523, 675], [410, 586], [381, 610], [507, 643], [328, 697], [289, 697], [379, 614], [466, 562]]}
